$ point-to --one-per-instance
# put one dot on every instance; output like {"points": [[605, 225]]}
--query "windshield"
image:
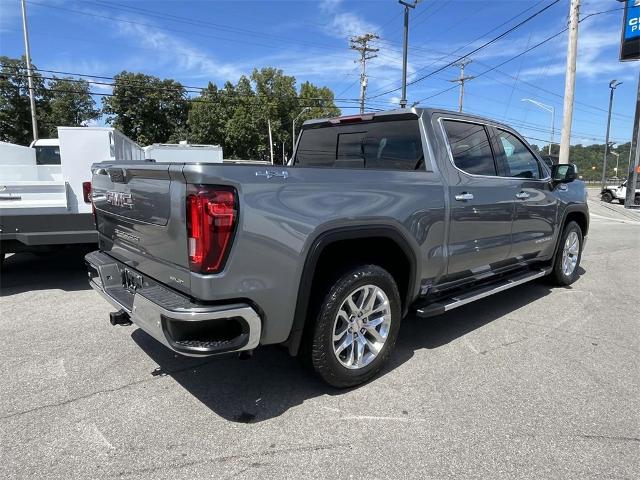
{"points": [[48, 155]]}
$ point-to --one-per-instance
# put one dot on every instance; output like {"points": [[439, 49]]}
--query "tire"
{"points": [[621, 201], [565, 267], [370, 288], [636, 200], [606, 197]]}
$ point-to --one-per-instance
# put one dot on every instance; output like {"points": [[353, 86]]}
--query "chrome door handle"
{"points": [[522, 195], [464, 196]]}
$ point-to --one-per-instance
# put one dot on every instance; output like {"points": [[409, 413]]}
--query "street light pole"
{"points": [[617, 161], [613, 84], [407, 6], [27, 54], [548, 108]]}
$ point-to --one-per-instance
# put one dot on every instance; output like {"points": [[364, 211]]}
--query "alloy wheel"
{"points": [[361, 326]]}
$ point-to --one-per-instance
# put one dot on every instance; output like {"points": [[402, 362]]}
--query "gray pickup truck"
{"points": [[377, 216]]}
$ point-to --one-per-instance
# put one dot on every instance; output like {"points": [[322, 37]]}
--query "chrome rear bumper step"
{"points": [[174, 320], [442, 306]]}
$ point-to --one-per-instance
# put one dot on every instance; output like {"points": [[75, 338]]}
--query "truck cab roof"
{"points": [[399, 113]]}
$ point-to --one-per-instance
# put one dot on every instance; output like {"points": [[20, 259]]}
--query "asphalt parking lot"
{"points": [[531, 383]]}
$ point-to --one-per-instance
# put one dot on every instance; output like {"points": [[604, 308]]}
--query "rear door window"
{"points": [[390, 145], [470, 147]]}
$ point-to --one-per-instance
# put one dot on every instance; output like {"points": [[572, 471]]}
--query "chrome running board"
{"points": [[447, 304]]}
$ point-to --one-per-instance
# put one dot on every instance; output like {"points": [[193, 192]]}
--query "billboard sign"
{"points": [[630, 48]]}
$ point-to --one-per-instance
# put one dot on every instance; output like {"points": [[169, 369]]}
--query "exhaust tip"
{"points": [[120, 317]]}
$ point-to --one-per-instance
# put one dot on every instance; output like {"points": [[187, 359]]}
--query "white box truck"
{"points": [[45, 189]]}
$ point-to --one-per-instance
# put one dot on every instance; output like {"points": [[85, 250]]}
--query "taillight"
{"points": [[211, 219], [86, 192]]}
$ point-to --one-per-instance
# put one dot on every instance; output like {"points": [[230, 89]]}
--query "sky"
{"points": [[196, 42]]}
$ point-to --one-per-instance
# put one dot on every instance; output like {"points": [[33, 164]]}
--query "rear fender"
{"points": [[322, 241]]}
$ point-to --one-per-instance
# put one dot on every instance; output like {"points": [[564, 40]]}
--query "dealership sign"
{"points": [[630, 49]]}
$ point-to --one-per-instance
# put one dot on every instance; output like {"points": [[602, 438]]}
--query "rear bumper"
{"points": [[57, 229], [172, 319]]}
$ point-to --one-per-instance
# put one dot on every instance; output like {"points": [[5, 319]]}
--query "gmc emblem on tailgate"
{"points": [[119, 199]]}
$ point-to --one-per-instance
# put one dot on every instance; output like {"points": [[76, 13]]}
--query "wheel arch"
{"points": [[322, 243], [577, 213]]}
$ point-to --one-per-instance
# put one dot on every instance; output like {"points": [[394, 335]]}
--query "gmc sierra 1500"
{"points": [[376, 216]]}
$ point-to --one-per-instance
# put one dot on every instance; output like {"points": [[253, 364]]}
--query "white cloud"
{"points": [[384, 71], [190, 61], [598, 45], [342, 23]]}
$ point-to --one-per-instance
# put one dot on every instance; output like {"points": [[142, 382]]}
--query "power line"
{"points": [[191, 21], [251, 32], [549, 92], [496, 68], [450, 54], [484, 45], [142, 84], [512, 58]]}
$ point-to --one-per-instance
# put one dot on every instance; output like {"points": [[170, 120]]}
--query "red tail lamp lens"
{"points": [[211, 218], [86, 192]]}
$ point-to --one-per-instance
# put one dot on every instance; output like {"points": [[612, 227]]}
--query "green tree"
{"points": [[245, 130], [70, 104], [208, 115], [589, 160], [237, 116], [276, 103], [146, 108], [15, 110], [319, 99]]}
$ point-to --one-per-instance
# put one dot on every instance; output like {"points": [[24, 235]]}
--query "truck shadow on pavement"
{"points": [[62, 269], [272, 382]]}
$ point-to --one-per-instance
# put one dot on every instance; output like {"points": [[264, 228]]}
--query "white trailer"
{"points": [[45, 189], [184, 152]]}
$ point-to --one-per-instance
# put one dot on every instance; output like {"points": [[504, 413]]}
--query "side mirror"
{"points": [[564, 173]]}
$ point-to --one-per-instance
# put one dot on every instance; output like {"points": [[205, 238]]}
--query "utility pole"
{"points": [[405, 48], [570, 82], [612, 86], [27, 54], [361, 44], [634, 167], [461, 80], [270, 140]]}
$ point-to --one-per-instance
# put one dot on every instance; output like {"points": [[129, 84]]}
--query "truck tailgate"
{"points": [[140, 216]]}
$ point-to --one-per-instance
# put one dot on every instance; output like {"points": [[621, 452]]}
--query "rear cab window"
{"points": [[384, 145], [47, 155]]}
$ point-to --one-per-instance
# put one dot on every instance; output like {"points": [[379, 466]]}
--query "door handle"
{"points": [[522, 195], [464, 196]]}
